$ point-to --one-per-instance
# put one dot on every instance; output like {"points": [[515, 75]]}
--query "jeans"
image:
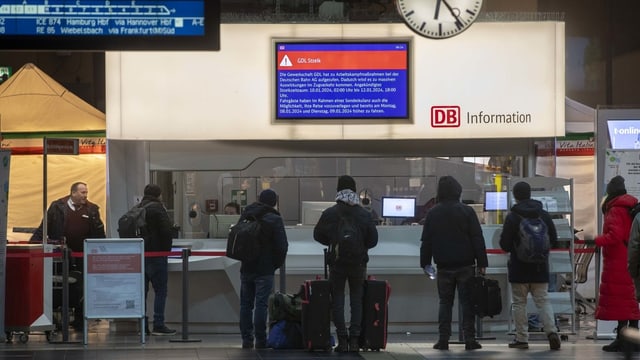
{"points": [[448, 281], [254, 297], [338, 277], [538, 292], [156, 273]]}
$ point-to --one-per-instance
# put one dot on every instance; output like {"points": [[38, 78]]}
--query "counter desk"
{"points": [[214, 281]]}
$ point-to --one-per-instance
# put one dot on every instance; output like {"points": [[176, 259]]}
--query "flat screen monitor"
{"points": [[398, 207], [110, 25], [312, 210], [341, 80], [219, 225], [495, 201], [624, 134]]}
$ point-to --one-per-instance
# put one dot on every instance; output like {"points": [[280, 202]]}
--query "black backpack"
{"points": [[243, 242], [534, 244], [133, 223], [634, 211], [347, 247]]}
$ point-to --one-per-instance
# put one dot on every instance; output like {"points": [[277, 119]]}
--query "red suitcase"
{"points": [[375, 315]]}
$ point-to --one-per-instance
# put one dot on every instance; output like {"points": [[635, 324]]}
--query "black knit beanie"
{"points": [[346, 182]]}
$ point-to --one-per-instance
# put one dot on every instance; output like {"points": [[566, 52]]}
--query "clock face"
{"points": [[439, 19]]}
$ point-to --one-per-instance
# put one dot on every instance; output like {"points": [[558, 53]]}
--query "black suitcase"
{"points": [[316, 312], [375, 315], [486, 298]]}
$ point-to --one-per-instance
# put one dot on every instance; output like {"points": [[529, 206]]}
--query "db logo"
{"points": [[445, 116]]}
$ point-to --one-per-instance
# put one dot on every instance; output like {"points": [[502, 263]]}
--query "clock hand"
{"points": [[453, 13], [435, 17]]}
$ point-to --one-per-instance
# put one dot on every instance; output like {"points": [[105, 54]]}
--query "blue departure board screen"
{"points": [[110, 24]]}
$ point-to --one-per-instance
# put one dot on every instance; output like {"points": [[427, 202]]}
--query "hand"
{"points": [[482, 271]]}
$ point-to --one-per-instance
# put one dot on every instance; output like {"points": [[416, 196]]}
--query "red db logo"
{"points": [[445, 116]]}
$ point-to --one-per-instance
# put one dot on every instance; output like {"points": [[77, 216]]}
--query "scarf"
{"points": [[348, 196]]}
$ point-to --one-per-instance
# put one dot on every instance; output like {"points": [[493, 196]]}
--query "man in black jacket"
{"points": [[157, 238], [526, 277], [71, 220], [341, 271], [452, 236], [256, 276]]}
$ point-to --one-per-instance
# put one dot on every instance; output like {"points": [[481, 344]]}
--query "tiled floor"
{"points": [[106, 345]]}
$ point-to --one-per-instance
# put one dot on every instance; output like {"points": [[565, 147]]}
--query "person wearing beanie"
{"points": [[73, 218], [158, 237], [257, 276], [452, 238], [526, 277], [351, 268], [617, 298]]}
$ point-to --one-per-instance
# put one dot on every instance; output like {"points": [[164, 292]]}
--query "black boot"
{"points": [[343, 344], [354, 343]]}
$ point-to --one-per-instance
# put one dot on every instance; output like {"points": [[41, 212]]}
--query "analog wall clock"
{"points": [[439, 19]]}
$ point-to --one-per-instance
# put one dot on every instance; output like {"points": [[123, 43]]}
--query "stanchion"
{"points": [[66, 256], [185, 299]]}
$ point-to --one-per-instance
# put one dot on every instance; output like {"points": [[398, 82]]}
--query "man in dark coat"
{"points": [[158, 237], [72, 219], [452, 236], [526, 277], [354, 270], [256, 276]]}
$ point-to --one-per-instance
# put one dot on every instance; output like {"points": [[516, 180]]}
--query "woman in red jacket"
{"points": [[617, 300]]}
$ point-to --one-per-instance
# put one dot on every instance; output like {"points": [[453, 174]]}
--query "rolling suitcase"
{"points": [[486, 297], [373, 335], [316, 313]]}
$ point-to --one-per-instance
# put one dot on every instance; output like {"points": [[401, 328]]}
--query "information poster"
{"points": [[625, 163], [114, 278], [5, 155]]}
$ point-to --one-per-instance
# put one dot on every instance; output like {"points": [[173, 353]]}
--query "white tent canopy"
{"points": [[33, 105]]}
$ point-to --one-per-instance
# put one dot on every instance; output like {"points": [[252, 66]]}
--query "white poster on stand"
{"points": [[114, 278]]}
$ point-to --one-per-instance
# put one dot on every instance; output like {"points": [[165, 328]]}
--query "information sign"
{"points": [[110, 24]]}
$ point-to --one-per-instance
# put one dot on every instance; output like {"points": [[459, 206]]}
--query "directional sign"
{"points": [[110, 24], [61, 146]]}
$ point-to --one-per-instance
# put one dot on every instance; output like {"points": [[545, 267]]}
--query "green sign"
{"points": [[239, 197]]}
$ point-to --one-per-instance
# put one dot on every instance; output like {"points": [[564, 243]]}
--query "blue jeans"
{"points": [[448, 281], [254, 297], [156, 273], [338, 277]]}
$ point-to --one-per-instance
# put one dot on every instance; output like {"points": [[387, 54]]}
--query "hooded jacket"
{"points": [[521, 272], [617, 300], [452, 235], [274, 244]]}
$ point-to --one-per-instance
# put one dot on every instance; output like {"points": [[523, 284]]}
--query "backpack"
{"points": [[285, 334], [347, 247], [243, 242], [133, 223], [284, 306], [534, 243]]}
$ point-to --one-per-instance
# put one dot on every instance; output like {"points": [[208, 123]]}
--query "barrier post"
{"points": [[66, 256], [186, 252]]}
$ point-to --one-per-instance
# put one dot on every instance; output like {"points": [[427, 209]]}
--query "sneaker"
{"points": [[354, 344], [472, 345], [247, 345], [515, 344], [554, 341], [163, 330], [441, 345]]}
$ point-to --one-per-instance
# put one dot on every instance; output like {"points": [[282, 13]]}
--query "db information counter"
{"points": [[214, 303]]}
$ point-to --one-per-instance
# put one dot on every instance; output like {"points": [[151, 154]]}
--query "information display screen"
{"points": [[342, 80], [495, 201], [398, 207], [110, 24], [624, 134]]}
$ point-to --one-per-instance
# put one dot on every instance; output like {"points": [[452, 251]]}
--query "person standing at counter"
{"points": [[351, 268], [453, 238], [617, 299], [73, 219], [256, 276], [158, 237], [528, 277]]}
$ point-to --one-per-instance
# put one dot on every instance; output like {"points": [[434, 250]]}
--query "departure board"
{"points": [[110, 24]]}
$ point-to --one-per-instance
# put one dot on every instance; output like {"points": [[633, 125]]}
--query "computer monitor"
{"points": [[219, 225], [312, 210], [495, 201], [398, 207]]}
